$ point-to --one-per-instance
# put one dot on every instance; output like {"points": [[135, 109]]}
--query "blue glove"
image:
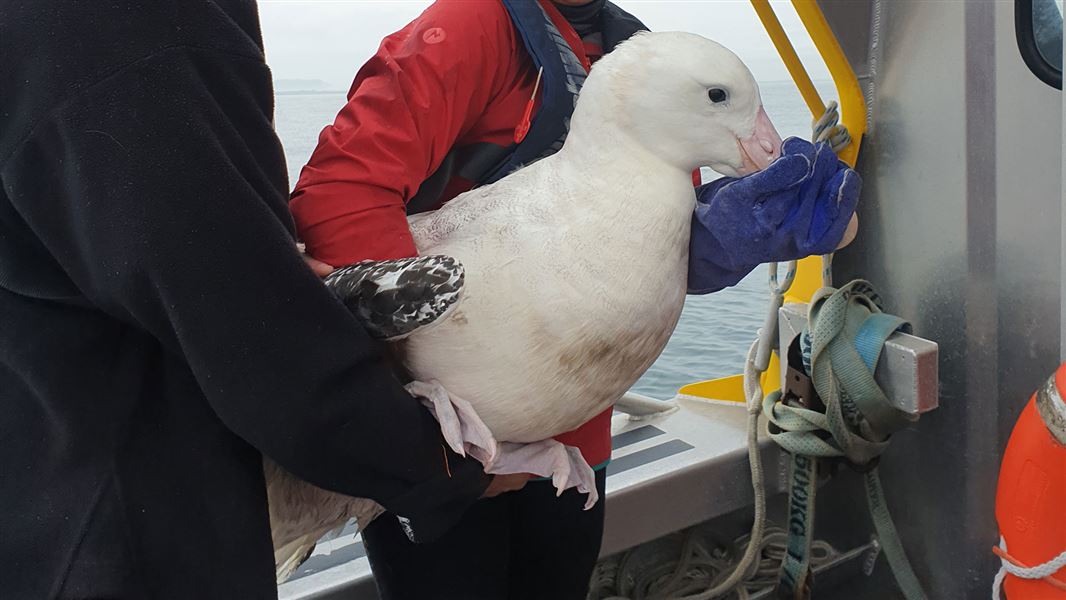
{"points": [[797, 207]]}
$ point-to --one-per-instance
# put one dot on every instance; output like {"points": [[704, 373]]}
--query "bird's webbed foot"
{"points": [[467, 434]]}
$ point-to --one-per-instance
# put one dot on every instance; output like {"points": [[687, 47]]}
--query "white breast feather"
{"points": [[550, 330]]}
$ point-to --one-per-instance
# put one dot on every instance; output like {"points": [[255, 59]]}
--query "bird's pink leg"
{"points": [[565, 466], [467, 434], [463, 429]]}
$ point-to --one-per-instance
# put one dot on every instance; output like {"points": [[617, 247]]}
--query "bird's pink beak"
{"points": [[761, 147]]}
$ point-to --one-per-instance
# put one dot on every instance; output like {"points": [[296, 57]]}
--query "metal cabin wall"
{"points": [[1028, 224], [960, 229]]}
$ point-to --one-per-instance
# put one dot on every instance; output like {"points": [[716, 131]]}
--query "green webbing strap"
{"points": [[889, 539], [846, 332], [796, 563]]}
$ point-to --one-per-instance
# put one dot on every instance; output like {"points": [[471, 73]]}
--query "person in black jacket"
{"points": [[159, 331]]}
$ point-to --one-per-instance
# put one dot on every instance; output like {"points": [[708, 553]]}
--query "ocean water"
{"points": [[715, 330]]}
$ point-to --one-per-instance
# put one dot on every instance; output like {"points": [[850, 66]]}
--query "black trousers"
{"points": [[524, 545]]}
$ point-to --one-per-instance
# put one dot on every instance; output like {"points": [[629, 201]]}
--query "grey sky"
{"points": [[331, 39]]}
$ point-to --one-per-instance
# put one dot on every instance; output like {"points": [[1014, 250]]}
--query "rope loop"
{"points": [[782, 288], [828, 129]]}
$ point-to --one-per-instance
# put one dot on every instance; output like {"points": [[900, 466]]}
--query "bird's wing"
{"points": [[395, 297]]}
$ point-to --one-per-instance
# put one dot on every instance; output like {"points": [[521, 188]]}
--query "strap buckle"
{"points": [[799, 387]]}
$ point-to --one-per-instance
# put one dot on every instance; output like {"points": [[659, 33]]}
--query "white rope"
{"points": [[1040, 571], [698, 567], [828, 129], [997, 583]]}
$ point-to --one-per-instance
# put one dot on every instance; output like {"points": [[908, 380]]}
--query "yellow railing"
{"points": [[852, 103], [852, 116]]}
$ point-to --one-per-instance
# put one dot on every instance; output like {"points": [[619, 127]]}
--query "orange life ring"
{"points": [[1031, 497]]}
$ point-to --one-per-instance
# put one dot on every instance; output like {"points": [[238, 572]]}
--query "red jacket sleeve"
{"points": [[426, 86]]}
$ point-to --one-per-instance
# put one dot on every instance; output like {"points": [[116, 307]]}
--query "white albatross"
{"points": [[575, 266]]}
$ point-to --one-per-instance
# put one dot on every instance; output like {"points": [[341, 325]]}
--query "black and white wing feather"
{"points": [[395, 297]]}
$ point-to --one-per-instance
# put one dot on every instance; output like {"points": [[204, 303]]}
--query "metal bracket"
{"points": [[907, 370]]}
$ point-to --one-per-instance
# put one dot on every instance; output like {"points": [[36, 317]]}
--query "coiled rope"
{"points": [[696, 567]]}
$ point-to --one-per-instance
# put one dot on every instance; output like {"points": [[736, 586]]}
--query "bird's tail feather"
{"points": [[289, 557]]}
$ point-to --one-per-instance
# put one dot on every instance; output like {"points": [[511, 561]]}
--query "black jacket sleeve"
{"points": [[161, 191]]}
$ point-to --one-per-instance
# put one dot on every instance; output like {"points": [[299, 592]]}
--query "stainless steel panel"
{"points": [[851, 22], [1028, 217], [960, 230]]}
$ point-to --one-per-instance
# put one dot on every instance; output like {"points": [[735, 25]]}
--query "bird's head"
{"points": [[685, 99]]}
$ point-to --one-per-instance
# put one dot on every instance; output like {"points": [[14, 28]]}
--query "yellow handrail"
{"points": [[852, 116], [852, 102], [789, 57]]}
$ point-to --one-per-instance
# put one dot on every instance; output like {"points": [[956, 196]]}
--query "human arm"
{"points": [[408, 107], [161, 192]]}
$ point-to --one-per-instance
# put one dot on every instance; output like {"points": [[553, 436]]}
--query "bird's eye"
{"points": [[717, 95]]}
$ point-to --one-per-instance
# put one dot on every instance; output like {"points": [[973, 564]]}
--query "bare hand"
{"points": [[320, 268], [850, 232], [506, 483]]}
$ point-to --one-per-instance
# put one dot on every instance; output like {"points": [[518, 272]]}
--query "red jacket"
{"points": [[456, 76]]}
